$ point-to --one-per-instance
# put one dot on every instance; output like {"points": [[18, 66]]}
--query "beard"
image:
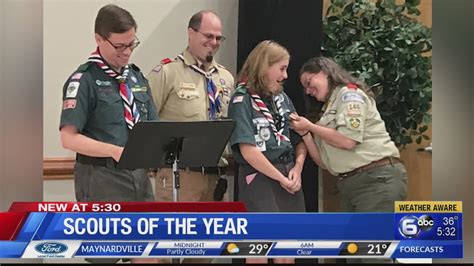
{"points": [[209, 58]]}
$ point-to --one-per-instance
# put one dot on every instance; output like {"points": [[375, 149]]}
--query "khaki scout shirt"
{"points": [[354, 114], [180, 92]]}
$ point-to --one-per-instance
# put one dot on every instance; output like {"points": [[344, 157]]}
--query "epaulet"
{"points": [[84, 67], [241, 89], [352, 86], [165, 61], [221, 66], [135, 67]]}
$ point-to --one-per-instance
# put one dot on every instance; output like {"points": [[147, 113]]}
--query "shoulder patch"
{"points": [[165, 61], [352, 86], [77, 76], [352, 97], [157, 68], [238, 99], [72, 88]]}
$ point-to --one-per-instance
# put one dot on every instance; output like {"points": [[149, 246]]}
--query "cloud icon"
{"points": [[232, 248]]}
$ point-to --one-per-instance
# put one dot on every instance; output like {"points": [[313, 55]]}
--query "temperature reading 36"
{"points": [[257, 248]]}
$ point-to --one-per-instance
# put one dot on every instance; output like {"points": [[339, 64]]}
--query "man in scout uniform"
{"points": [[102, 101], [193, 87]]}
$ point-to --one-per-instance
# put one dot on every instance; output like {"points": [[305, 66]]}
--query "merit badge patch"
{"points": [[265, 133], [260, 143], [134, 79], [355, 122], [238, 99], [76, 76], [72, 89], [351, 97], [69, 104]]}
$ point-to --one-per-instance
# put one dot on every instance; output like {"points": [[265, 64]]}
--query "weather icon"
{"points": [[232, 248]]}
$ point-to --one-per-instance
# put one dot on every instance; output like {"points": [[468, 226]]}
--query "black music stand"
{"points": [[154, 144]]}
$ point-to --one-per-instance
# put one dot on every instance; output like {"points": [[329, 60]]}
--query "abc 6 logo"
{"points": [[411, 226]]}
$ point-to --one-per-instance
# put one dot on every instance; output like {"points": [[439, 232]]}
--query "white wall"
{"points": [[68, 39]]}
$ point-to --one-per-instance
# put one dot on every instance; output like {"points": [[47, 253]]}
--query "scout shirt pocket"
{"points": [[141, 101], [225, 95], [189, 96], [328, 119], [109, 106]]}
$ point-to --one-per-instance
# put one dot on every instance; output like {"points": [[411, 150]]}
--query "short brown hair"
{"points": [[113, 19], [196, 19], [262, 57]]}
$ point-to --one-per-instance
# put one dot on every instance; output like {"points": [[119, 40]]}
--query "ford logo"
{"points": [[51, 248]]}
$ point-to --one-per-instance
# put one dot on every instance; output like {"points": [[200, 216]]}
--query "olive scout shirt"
{"points": [[252, 127], [92, 103]]}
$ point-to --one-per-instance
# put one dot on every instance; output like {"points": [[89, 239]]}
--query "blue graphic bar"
{"points": [[10, 249], [429, 249]]}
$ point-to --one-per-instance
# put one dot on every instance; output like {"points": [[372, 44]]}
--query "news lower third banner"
{"points": [[127, 230]]}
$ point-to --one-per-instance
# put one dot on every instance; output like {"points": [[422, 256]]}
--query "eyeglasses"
{"points": [[123, 47], [210, 36]]}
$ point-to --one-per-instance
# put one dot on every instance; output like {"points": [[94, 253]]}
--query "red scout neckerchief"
{"points": [[131, 117], [266, 113]]}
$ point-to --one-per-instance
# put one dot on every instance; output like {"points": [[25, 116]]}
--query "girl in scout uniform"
{"points": [[350, 139], [270, 155]]}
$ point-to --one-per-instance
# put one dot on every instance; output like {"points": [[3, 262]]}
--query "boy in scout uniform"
{"points": [[102, 100], [350, 139], [270, 155], [193, 87]]}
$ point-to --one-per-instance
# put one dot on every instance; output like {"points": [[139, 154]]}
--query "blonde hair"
{"points": [[260, 59]]}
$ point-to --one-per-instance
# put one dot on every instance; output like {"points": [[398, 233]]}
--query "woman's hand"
{"points": [[295, 176], [299, 124]]}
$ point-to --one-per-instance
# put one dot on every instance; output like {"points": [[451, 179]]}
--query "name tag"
{"points": [[138, 89], [187, 86]]}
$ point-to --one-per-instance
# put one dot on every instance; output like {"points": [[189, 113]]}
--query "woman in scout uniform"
{"points": [[350, 139], [270, 155]]}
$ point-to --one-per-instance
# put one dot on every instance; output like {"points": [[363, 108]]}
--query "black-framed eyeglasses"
{"points": [[123, 47], [210, 36]]}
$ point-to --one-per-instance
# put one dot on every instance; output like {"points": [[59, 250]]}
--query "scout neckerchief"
{"points": [[131, 114], [262, 107], [214, 99]]}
